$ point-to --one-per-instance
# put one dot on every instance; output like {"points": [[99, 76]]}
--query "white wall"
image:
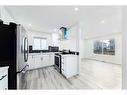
{"points": [[34, 33], [82, 48], [55, 39], [107, 58]]}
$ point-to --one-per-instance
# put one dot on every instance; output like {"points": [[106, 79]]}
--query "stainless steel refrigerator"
{"points": [[13, 50]]}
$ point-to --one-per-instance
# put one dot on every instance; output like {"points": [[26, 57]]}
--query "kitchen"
{"points": [[54, 48]]}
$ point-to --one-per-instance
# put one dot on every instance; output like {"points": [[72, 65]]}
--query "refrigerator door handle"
{"points": [[26, 50]]}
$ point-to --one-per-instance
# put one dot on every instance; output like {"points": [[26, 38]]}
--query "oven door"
{"points": [[58, 62]]}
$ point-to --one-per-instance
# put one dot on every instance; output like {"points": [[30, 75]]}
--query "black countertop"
{"points": [[41, 51], [61, 52]]}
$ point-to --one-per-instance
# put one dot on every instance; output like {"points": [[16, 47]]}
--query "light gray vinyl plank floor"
{"points": [[93, 75]]}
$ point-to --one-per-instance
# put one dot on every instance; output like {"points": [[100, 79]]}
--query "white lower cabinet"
{"points": [[40, 60], [52, 61], [45, 60], [69, 65], [35, 61], [4, 78], [31, 62]]}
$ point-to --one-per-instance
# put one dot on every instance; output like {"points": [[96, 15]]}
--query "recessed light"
{"points": [[30, 25], [76, 8], [103, 21]]}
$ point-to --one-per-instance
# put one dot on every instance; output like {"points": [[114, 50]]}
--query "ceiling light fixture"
{"points": [[76, 8], [30, 25], [103, 21]]}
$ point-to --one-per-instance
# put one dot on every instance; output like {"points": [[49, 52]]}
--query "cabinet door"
{"points": [[51, 56], [46, 60], [37, 61]]}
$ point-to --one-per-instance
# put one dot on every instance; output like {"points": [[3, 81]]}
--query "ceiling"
{"points": [[53, 17]]}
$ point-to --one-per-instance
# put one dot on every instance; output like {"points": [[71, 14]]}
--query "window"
{"points": [[98, 47], [40, 44], [109, 47], [106, 47]]}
